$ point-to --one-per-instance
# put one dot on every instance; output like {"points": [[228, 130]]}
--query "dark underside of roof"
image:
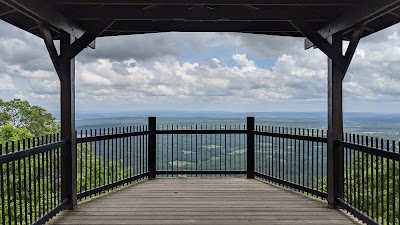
{"points": [[270, 17]]}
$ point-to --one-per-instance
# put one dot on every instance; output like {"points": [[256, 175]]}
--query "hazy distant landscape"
{"points": [[384, 126]]}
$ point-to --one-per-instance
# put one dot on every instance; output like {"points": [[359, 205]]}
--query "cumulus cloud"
{"points": [[226, 71], [7, 83]]}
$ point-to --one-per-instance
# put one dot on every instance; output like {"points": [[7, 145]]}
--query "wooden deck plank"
{"points": [[202, 201]]}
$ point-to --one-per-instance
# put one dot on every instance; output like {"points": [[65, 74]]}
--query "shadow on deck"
{"points": [[203, 201]]}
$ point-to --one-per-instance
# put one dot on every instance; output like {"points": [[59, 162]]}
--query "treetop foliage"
{"points": [[19, 120]]}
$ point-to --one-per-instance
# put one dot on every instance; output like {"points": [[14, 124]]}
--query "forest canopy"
{"points": [[20, 120]]}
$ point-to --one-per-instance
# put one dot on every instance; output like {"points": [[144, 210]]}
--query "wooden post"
{"points": [[250, 147], [152, 147], [335, 126], [68, 152]]}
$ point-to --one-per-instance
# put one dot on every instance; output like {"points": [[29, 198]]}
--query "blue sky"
{"points": [[202, 72]]}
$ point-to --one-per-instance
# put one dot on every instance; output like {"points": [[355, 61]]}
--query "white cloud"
{"points": [[7, 83], [157, 71]]}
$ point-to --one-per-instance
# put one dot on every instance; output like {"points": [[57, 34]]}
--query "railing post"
{"points": [[152, 147], [250, 147], [335, 174]]}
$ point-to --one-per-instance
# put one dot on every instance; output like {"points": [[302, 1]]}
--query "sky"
{"points": [[202, 72]]}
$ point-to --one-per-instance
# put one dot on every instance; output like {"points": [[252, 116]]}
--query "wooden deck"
{"points": [[203, 201]]}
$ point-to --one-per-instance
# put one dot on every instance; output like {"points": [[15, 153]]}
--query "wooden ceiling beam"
{"points": [[364, 13], [211, 2], [43, 12], [166, 26], [218, 13]]}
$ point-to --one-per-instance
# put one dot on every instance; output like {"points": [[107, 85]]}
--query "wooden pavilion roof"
{"points": [[272, 17]]}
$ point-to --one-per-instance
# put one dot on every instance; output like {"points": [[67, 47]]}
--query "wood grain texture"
{"points": [[203, 201]]}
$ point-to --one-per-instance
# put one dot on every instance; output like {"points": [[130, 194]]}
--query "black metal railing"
{"points": [[108, 158], [371, 179], [200, 150], [295, 158], [30, 186]]}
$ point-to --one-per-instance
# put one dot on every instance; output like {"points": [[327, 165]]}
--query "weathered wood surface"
{"points": [[203, 201]]}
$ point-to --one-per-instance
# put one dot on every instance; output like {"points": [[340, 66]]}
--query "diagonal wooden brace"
{"points": [[75, 48], [343, 62], [87, 38], [51, 48], [351, 49]]}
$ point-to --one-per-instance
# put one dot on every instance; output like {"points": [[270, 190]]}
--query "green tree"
{"points": [[8, 133], [20, 114], [382, 177]]}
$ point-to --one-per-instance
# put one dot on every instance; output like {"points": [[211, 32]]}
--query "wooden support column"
{"points": [[335, 125], [250, 147], [68, 153], [152, 147], [64, 63]]}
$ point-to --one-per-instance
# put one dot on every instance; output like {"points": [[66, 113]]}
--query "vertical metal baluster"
{"points": [[358, 174], [206, 150], [131, 153], [322, 156], [3, 215], [312, 160], [308, 159], [177, 150], [86, 164], [398, 162], [201, 154], [191, 148], [167, 152], [371, 144], [46, 177], [95, 160], [162, 149], [363, 174], [30, 185], [89, 154], [279, 154], [108, 157], [394, 185], [123, 158], [14, 200], [117, 150], [215, 148], [225, 150], [144, 149], [304, 156], [112, 156], [317, 161], [172, 155], [230, 148], [19, 183], [376, 181], [201, 149], [291, 157], [382, 185], [25, 181], [234, 155], [297, 155], [34, 181], [220, 152], [352, 140], [51, 175], [272, 153], [387, 184], [240, 152], [8, 188], [79, 167], [186, 147]]}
